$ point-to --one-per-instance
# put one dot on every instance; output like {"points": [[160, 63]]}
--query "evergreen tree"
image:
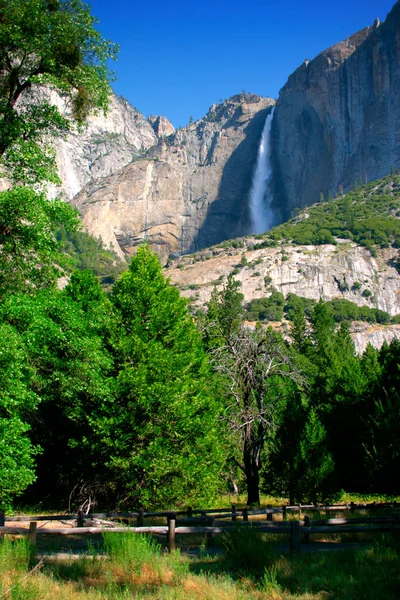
{"points": [[161, 436]]}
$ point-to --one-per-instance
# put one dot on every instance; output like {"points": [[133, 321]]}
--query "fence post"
{"points": [[306, 536], [351, 507], [245, 514], [171, 532], [269, 516], [32, 534], [2, 523], [284, 512], [211, 523], [233, 512], [189, 512], [140, 518], [294, 536], [80, 521]]}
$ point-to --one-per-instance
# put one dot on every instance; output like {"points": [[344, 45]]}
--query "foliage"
{"points": [[66, 366], [273, 307], [266, 309], [29, 251], [383, 441], [366, 215], [256, 372], [17, 403], [85, 252], [50, 43], [298, 461], [164, 416]]}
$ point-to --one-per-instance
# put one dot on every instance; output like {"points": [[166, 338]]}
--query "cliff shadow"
{"points": [[229, 215]]}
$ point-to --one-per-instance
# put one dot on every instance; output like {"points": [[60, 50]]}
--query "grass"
{"points": [[250, 568]]}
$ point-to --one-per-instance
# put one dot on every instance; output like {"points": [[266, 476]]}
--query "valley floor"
{"points": [[249, 568]]}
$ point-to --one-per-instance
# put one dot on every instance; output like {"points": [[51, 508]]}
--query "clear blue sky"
{"points": [[177, 57]]}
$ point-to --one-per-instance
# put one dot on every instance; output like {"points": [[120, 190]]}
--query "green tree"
{"points": [[69, 371], [299, 462], [257, 375], [161, 436], [50, 43], [17, 403], [382, 442], [28, 249], [51, 350]]}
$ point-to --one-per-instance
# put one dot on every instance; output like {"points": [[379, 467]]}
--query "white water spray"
{"points": [[260, 195]]}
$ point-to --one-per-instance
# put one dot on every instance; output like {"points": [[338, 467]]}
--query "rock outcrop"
{"points": [[315, 272], [376, 335], [162, 127], [337, 119], [345, 271], [104, 145], [189, 191]]}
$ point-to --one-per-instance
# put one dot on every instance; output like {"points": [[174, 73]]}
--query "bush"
{"points": [[365, 215], [266, 309]]}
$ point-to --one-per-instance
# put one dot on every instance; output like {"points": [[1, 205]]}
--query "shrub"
{"points": [[267, 281]]}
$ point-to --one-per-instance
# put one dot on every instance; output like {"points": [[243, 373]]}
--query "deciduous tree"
{"points": [[258, 374]]}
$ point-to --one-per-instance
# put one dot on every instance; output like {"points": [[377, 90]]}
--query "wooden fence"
{"points": [[206, 523]]}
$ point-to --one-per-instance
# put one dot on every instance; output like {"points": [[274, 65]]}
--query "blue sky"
{"points": [[177, 57]]}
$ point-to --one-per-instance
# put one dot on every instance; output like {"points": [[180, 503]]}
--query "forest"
{"points": [[111, 391]]}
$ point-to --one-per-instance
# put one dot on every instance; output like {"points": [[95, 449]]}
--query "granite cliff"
{"points": [[337, 119], [308, 271], [336, 123], [189, 190], [104, 145]]}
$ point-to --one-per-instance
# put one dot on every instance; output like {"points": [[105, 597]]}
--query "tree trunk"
{"points": [[251, 462]]}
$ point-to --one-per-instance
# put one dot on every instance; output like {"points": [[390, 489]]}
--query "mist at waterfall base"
{"points": [[260, 193]]}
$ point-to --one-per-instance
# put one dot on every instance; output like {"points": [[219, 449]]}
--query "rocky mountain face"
{"points": [[188, 191], [103, 146], [328, 272], [337, 119]]}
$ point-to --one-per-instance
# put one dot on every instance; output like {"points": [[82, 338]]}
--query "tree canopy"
{"points": [[46, 44]]}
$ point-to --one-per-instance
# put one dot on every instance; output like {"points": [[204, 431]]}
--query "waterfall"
{"points": [[260, 195]]}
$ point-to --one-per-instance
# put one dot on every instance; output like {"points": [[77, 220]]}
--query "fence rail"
{"points": [[232, 512], [299, 530]]}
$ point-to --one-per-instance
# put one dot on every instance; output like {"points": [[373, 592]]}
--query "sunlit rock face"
{"points": [[337, 119], [104, 145], [345, 271], [189, 191], [314, 272], [161, 126]]}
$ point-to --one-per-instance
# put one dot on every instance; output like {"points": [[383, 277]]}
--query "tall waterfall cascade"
{"points": [[260, 193]]}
